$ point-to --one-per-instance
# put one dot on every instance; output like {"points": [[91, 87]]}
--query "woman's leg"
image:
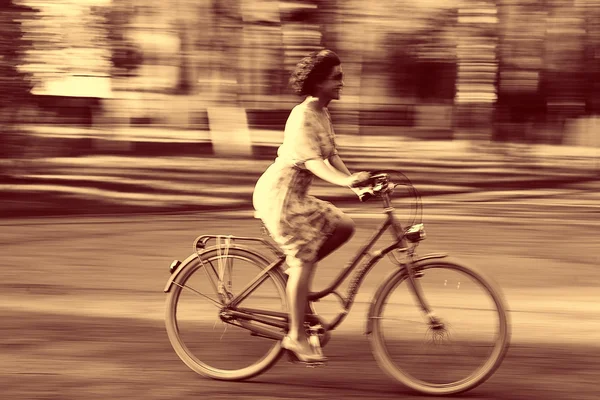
{"points": [[296, 340], [297, 287], [299, 278], [342, 233]]}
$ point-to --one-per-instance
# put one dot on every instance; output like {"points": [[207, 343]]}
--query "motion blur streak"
{"points": [[130, 127]]}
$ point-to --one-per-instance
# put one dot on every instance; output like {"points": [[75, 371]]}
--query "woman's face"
{"points": [[331, 87]]}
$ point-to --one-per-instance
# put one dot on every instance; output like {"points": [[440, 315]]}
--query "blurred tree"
{"points": [[185, 84], [302, 33], [226, 37], [16, 85], [592, 57], [520, 84], [185, 18], [125, 56], [261, 53], [422, 64], [564, 67]]}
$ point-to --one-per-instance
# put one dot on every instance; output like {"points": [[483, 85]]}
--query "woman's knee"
{"points": [[345, 228], [342, 233]]}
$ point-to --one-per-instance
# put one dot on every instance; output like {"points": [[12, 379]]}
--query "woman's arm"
{"points": [[336, 162], [318, 167]]}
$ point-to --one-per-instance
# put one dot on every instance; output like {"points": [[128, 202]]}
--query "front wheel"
{"points": [[454, 356]]}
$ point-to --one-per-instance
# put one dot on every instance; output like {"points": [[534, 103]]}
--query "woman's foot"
{"points": [[302, 350]]}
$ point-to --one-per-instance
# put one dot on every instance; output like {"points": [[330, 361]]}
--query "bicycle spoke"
{"points": [[224, 330], [216, 303]]}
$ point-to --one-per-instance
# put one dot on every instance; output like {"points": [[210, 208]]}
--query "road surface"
{"points": [[82, 307]]}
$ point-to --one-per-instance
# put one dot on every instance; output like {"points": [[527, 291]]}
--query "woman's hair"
{"points": [[312, 70]]}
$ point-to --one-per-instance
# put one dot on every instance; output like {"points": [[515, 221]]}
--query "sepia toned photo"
{"points": [[300, 199]]}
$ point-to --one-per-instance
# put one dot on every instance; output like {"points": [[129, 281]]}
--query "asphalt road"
{"points": [[82, 307]]}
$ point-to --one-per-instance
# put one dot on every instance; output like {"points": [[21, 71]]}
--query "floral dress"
{"points": [[298, 222]]}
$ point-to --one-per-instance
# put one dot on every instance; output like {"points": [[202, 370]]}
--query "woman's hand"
{"points": [[359, 179]]}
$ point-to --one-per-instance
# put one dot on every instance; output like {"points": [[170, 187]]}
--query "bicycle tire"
{"points": [[264, 362], [381, 350]]}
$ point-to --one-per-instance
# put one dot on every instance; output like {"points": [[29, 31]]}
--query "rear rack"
{"points": [[201, 242]]}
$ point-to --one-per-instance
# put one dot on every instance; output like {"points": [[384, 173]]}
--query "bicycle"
{"points": [[252, 306]]}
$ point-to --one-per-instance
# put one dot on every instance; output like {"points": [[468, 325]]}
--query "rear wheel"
{"points": [[454, 356], [196, 330]]}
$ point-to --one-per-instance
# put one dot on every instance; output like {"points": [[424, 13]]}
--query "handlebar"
{"points": [[376, 185], [382, 183]]}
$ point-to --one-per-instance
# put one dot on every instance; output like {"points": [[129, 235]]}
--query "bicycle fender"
{"points": [[195, 256], [378, 293], [184, 264]]}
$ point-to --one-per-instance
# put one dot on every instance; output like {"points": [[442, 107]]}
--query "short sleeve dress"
{"points": [[298, 222]]}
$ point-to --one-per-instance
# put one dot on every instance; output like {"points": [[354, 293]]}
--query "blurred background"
{"points": [[504, 70], [173, 109], [209, 78]]}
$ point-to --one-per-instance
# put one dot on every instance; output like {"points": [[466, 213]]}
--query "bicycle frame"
{"points": [[280, 319], [214, 265]]}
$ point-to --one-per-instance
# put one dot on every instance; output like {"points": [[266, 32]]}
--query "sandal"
{"points": [[296, 351]]}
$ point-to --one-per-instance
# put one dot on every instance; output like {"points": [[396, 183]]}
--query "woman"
{"points": [[306, 228]]}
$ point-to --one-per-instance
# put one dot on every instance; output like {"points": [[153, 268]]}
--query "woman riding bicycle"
{"points": [[306, 228]]}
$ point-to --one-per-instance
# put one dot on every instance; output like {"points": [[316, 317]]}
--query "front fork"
{"points": [[415, 285], [411, 272]]}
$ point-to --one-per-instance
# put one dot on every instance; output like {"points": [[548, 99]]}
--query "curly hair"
{"points": [[312, 70]]}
